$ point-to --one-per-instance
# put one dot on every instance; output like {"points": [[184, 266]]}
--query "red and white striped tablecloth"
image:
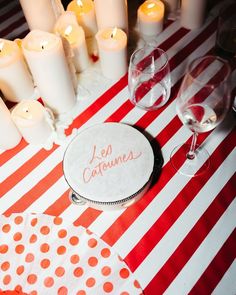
{"points": [[180, 237]]}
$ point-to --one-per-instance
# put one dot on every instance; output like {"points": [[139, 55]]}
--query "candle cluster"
{"points": [[60, 45]]}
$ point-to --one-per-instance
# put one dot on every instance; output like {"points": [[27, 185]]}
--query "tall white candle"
{"points": [[41, 14], [46, 58], [15, 80], [10, 136], [150, 17], [112, 45], [112, 13], [192, 13], [68, 28], [85, 13], [33, 121]]}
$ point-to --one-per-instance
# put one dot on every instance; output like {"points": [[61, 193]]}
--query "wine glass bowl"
{"points": [[149, 78], [202, 103]]}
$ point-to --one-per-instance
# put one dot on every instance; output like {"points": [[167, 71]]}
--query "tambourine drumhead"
{"points": [[108, 163]]}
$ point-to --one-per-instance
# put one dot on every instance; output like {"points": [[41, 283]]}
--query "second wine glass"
{"points": [[202, 103]]}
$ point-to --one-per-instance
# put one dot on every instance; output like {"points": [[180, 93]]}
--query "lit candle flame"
{"points": [[1, 46], [151, 5], [80, 3], [68, 30], [43, 44], [114, 31]]}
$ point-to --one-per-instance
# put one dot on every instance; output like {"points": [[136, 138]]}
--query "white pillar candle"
{"points": [[15, 80], [192, 13], [85, 13], [10, 136], [68, 28], [33, 121], [171, 5], [112, 13], [150, 17], [41, 14], [46, 58], [112, 45]]}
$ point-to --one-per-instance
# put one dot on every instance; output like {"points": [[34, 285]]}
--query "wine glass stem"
{"points": [[191, 154]]}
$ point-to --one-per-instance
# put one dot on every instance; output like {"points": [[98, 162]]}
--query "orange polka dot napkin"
{"points": [[41, 254]]}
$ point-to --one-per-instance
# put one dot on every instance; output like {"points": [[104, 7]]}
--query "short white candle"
{"points": [[10, 136], [41, 14], [68, 28], [150, 17], [112, 13], [192, 13], [46, 59], [15, 80], [33, 121], [85, 13], [112, 45]]}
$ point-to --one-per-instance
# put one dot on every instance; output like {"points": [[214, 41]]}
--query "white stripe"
{"points": [[73, 212], [49, 197], [17, 31], [11, 20], [227, 285], [17, 161], [192, 271], [163, 250], [159, 205]]}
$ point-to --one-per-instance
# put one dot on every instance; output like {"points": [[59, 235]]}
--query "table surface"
{"points": [[180, 237]]}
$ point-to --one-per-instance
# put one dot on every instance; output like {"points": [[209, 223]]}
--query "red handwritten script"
{"points": [[102, 161]]}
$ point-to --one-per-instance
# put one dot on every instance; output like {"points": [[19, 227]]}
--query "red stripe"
{"points": [[15, 9], [25, 169], [32, 195], [98, 104], [87, 217], [193, 239], [59, 205], [122, 223], [217, 268], [13, 26], [177, 207], [7, 155]]}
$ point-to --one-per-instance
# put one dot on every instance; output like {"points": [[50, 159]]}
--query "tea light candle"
{"points": [[150, 17], [85, 13], [68, 28], [112, 13], [15, 80], [46, 59], [192, 13], [10, 136], [33, 121], [112, 45], [41, 14]]}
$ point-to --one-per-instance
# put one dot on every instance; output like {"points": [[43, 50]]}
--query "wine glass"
{"points": [[202, 103], [149, 78]]}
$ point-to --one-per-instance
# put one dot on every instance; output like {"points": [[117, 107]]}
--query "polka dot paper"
{"points": [[40, 254]]}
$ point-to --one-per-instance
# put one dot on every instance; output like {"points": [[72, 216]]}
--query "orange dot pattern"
{"points": [[50, 255]]}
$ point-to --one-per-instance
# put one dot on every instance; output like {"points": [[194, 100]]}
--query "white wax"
{"points": [[15, 80], [85, 13], [33, 121], [150, 17], [192, 13], [46, 58], [68, 28], [41, 14], [112, 13], [112, 45], [10, 136]]}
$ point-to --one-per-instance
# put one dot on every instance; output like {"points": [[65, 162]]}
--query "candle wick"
{"points": [[42, 47]]}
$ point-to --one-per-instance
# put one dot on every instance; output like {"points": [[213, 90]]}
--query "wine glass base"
{"points": [[191, 167]]}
